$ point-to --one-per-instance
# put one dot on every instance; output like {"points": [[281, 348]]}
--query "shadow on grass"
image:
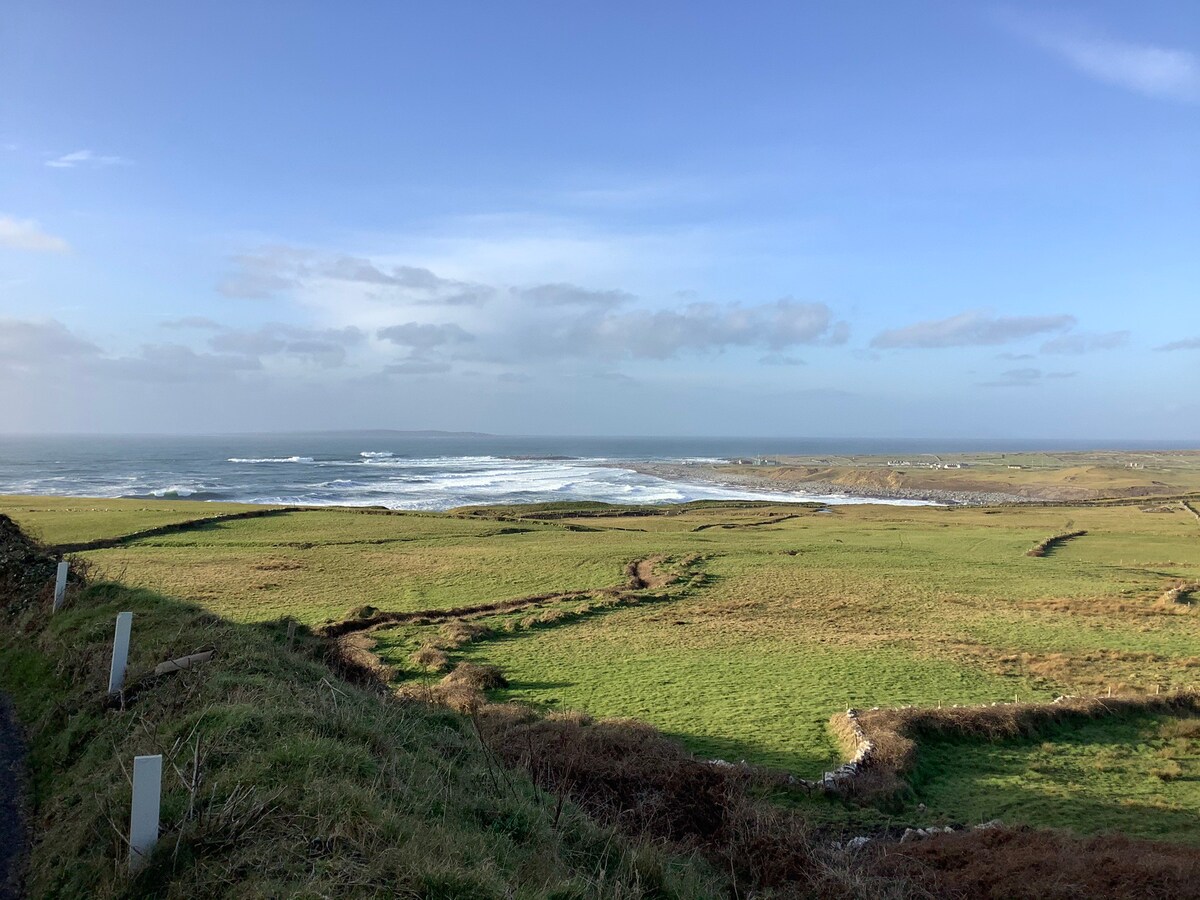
{"points": [[270, 762], [806, 765], [1051, 779]]}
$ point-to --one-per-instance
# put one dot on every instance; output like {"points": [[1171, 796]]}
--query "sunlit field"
{"points": [[778, 617]]}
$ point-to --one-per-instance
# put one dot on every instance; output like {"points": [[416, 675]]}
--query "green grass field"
{"points": [[793, 614], [1136, 775], [69, 520]]}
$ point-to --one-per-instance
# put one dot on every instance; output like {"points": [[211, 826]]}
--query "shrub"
{"points": [[429, 658], [479, 677]]}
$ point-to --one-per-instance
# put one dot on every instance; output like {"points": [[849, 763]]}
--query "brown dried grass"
{"points": [[458, 633], [353, 657], [430, 658], [479, 677], [1025, 863], [625, 772]]}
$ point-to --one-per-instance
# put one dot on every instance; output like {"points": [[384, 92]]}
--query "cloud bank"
{"points": [[1075, 344], [970, 329], [1185, 344], [85, 158], [26, 234], [1154, 71]]}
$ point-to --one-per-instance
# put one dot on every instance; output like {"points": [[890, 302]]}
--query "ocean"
{"points": [[404, 470]]}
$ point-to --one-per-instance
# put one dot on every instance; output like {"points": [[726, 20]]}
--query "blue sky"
{"points": [[919, 219]]}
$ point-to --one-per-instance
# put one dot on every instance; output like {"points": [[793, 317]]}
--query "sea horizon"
{"points": [[429, 470]]}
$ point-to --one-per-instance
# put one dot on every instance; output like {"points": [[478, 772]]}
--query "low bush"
{"points": [[431, 659]]}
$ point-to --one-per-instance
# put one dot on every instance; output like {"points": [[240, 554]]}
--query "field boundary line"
{"points": [[173, 528], [1041, 548], [640, 575], [774, 521], [883, 743]]}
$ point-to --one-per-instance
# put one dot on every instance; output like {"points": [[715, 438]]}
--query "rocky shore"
{"points": [[727, 477]]}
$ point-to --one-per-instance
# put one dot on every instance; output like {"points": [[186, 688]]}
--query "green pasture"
{"points": [[70, 520], [794, 613], [1139, 775]]}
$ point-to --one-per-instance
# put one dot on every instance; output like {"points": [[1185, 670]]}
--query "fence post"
{"points": [[144, 808], [60, 584], [120, 654]]}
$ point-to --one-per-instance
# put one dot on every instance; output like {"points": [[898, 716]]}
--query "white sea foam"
{"points": [[272, 459], [371, 478], [175, 490]]}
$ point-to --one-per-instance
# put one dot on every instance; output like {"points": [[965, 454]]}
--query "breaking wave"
{"points": [[337, 474], [271, 459]]}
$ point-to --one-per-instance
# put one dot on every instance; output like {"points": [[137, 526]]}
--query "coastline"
{"points": [[709, 474]]}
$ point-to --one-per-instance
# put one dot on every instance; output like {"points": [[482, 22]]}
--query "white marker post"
{"points": [[116, 675], [143, 813], [60, 584]]}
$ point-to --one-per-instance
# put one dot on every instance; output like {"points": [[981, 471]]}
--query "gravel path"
{"points": [[13, 838]]}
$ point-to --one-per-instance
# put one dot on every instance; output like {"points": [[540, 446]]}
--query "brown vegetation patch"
{"points": [[1178, 597], [429, 658], [26, 570], [479, 677], [1024, 863], [462, 690], [353, 657], [458, 633], [1089, 668], [775, 520], [426, 616], [278, 566], [626, 773], [642, 574]]}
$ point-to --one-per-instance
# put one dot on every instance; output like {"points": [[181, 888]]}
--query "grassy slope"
{"points": [[864, 605], [308, 786], [66, 520]]}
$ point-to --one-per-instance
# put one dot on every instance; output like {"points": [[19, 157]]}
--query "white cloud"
{"points": [[1025, 378], [85, 158], [418, 367], [423, 336], [780, 359], [26, 234], [275, 270], [30, 344], [970, 329], [1148, 69], [327, 347], [1184, 344], [572, 295], [1074, 344], [451, 320], [703, 327]]}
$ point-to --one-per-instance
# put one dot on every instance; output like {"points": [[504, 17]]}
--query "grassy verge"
{"points": [[1124, 764], [1136, 774], [69, 520], [280, 779]]}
